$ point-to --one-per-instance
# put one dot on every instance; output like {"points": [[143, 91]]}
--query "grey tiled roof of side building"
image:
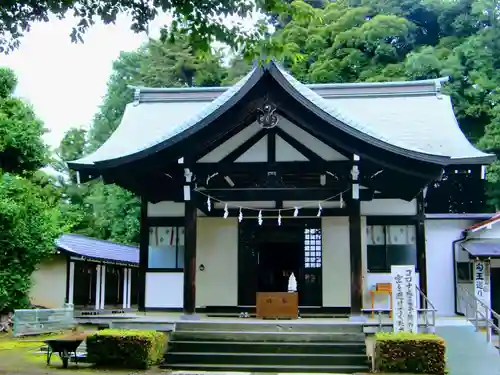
{"points": [[84, 246], [394, 112]]}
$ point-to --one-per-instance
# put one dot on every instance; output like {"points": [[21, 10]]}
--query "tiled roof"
{"points": [[482, 248], [98, 249], [412, 116]]}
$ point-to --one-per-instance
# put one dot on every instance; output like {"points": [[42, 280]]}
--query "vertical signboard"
{"points": [[404, 299], [482, 289]]}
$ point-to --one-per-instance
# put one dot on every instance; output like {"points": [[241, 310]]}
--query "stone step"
{"points": [[268, 336], [266, 359], [268, 347], [275, 326], [268, 368]]}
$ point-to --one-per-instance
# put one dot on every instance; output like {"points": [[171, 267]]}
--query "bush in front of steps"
{"points": [[126, 348], [404, 352]]}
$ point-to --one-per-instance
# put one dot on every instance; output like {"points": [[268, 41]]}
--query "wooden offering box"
{"points": [[280, 305]]}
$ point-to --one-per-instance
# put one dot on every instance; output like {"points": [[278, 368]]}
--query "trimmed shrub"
{"points": [[131, 349], [404, 352]]}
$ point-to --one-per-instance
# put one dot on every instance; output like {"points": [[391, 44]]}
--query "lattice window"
{"points": [[312, 248]]}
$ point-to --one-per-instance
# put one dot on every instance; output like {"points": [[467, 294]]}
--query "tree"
{"points": [[108, 211], [201, 20], [21, 144], [30, 218]]}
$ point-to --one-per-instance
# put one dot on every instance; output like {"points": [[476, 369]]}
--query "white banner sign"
{"points": [[404, 299], [482, 289]]}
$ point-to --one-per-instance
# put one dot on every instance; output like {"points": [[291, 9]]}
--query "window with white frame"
{"points": [[166, 248], [390, 245]]}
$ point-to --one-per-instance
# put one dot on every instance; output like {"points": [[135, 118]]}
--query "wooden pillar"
{"points": [[125, 288], [355, 256], [190, 257], [98, 287], [421, 251], [129, 288], [355, 241], [103, 286], [143, 255], [71, 282]]}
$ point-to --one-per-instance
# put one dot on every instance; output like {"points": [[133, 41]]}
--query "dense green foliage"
{"points": [[130, 349], [30, 218], [404, 352], [202, 20]]}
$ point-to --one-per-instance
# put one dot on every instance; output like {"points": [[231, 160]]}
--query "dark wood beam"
{"points": [[355, 256], [421, 248], [309, 154], [271, 145], [190, 218], [267, 194], [341, 167], [309, 211], [143, 254]]}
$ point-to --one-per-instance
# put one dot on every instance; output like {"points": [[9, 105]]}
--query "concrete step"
{"points": [[268, 347], [275, 326], [266, 359], [268, 368], [268, 336]]}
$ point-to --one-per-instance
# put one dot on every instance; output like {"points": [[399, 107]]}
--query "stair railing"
{"points": [[427, 310], [477, 311]]}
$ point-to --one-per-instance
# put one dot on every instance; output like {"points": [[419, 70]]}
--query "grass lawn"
{"points": [[19, 356]]}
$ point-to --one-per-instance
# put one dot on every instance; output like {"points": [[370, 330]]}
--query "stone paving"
{"points": [[467, 351]]}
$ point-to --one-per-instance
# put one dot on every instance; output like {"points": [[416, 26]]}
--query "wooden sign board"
{"points": [[279, 305]]}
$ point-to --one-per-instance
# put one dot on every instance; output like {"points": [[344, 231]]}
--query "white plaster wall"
{"points": [[166, 209], [164, 289], [388, 207], [217, 250], [49, 283], [440, 235], [336, 262]]}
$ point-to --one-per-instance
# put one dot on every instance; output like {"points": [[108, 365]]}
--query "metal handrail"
{"points": [[427, 308], [480, 310]]}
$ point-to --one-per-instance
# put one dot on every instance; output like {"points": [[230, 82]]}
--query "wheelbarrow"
{"points": [[65, 347]]}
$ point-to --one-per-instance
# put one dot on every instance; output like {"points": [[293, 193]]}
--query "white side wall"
{"points": [[336, 262], [217, 251], [164, 289], [440, 235], [388, 207], [48, 287]]}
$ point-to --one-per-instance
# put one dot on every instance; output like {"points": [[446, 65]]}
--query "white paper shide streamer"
{"points": [[279, 217], [319, 210], [240, 216], [260, 220], [209, 204], [226, 212]]}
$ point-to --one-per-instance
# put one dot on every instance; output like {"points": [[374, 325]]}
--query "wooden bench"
{"points": [[384, 289]]}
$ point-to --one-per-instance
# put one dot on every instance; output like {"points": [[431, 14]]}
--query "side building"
{"points": [[242, 186], [89, 274]]}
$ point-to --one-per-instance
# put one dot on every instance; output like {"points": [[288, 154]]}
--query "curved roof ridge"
{"points": [[350, 89]]}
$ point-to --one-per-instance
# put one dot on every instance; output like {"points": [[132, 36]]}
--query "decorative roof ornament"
{"points": [[137, 96], [267, 118]]}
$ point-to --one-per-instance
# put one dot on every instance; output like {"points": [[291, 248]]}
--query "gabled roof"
{"points": [[88, 247], [412, 119], [484, 224]]}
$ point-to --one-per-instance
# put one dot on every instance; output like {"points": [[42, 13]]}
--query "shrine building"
{"points": [[243, 185]]}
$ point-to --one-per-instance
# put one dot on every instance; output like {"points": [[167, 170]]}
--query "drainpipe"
{"points": [[455, 278]]}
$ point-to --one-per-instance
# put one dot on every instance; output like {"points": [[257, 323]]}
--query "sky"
{"points": [[65, 82]]}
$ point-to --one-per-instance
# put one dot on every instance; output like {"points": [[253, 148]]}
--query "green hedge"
{"points": [[131, 349], [404, 352]]}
